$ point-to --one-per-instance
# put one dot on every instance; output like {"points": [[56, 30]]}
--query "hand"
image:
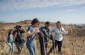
{"points": [[35, 33], [66, 32], [36, 30]]}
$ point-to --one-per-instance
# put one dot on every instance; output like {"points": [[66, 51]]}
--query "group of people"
{"points": [[16, 36], [44, 33]]}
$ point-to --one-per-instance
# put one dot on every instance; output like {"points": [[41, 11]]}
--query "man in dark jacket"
{"points": [[19, 41], [44, 36]]}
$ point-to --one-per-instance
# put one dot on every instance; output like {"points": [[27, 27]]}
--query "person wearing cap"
{"points": [[44, 36], [59, 31], [31, 34]]}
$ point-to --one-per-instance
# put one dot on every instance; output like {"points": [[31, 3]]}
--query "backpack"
{"points": [[19, 37]]}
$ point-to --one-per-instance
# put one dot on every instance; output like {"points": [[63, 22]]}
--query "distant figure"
{"points": [[44, 36], [19, 41], [58, 30], [31, 34], [10, 40]]}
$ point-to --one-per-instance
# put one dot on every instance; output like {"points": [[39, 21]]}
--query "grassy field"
{"points": [[73, 44]]}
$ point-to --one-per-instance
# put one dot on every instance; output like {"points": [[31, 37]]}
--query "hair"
{"points": [[35, 20], [47, 22], [18, 26], [58, 22], [9, 32]]}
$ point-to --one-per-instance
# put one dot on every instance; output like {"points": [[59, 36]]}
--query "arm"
{"points": [[64, 31], [43, 32], [7, 39], [30, 31], [15, 34], [57, 31], [53, 30], [23, 30]]}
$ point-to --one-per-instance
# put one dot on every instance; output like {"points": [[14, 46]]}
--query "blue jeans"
{"points": [[31, 48], [11, 45]]}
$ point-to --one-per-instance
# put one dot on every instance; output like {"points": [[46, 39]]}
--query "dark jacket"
{"points": [[47, 34]]}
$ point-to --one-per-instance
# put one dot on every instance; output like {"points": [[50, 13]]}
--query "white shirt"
{"points": [[58, 33], [11, 38]]}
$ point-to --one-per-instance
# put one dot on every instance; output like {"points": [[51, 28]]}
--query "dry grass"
{"points": [[72, 44]]}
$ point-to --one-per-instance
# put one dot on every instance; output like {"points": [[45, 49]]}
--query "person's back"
{"points": [[19, 41], [18, 36]]}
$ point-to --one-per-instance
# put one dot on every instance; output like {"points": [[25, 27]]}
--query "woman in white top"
{"points": [[10, 40], [58, 30]]}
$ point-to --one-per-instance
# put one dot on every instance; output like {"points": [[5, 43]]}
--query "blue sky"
{"points": [[66, 11]]}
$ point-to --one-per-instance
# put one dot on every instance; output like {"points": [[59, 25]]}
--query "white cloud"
{"points": [[69, 10], [26, 4]]}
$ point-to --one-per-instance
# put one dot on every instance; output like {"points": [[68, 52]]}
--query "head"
{"points": [[35, 22], [18, 27], [10, 32], [47, 24], [58, 24]]}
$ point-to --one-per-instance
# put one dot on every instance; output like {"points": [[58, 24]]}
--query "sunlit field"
{"points": [[73, 43]]}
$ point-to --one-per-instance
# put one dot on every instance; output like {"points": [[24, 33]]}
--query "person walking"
{"points": [[31, 34], [44, 36], [18, 34], [10, 40], [59, 31]]}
